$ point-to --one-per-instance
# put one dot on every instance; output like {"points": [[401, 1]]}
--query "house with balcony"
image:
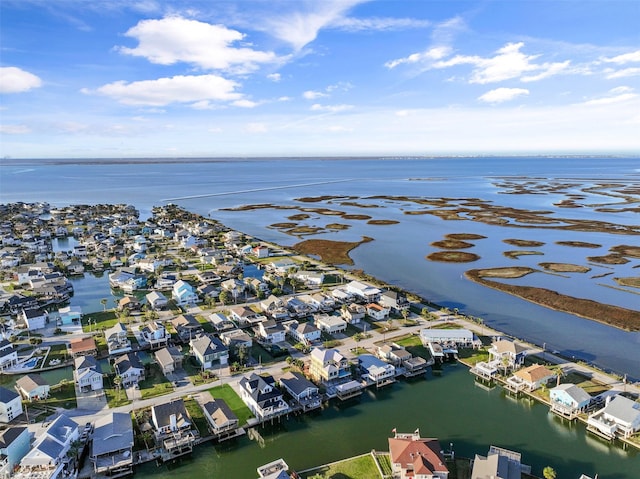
{"points": [[220, 418], [129, 367], [209, 350], [187, 327], [507, 354], [8, 355], [353, 313], [568, 399], [117, 340], [363, 292], [619, 418], [83, 347], [530, 378], [173, 429], [220, 321], [270, 332], [274, 470], [328, 365], [414, 457], [499, 463], [377, 312], [376, 371], [87, 373], [302, 391], [275, 308], [156, 300], [244, 316], [330, 324], [184, 294], [396, 302], [112, 445], [33, 387], [305, 332], [155, 334], [262, 397], [298, 308], [169, 359]]}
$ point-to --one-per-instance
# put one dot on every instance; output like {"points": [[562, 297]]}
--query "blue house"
{"points": [[15, 443], [570, 396]]}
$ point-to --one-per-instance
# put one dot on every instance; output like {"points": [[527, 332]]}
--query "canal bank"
{"points": [[451, 407]]}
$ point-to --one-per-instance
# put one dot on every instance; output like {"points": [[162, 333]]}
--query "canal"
{"points": [[451, 407]]}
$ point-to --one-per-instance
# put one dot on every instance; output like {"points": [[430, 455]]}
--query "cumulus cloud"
{"points": [[274, 77], [14, 129], [175, 39], [330, 108], [500, 95], [177, 89], [630, 57], [16, 80]]}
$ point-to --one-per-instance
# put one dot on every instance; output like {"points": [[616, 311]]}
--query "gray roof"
{"points": [[575, 392], [30, 382], [296, 383], [61, 427], [86, 362], [164, 411], [220, 411], [206, 345], [9, 435], [113, 432], [623, 409], [126, 362], [50, 448], [495, 466], [7, 395]]}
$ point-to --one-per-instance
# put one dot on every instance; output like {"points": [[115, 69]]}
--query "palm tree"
{"points": [[103, 302], [74, 451], [549, 473]]}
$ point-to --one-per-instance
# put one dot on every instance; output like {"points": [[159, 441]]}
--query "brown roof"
{"points": [[418, 454], [534, 373], [504, 346], [83, 345]]}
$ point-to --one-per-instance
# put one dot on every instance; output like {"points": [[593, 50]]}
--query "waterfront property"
{"points": [[328, 365], [33, 387], [130, 369], [499, 463], [87, 372], [10, 405], [112, 445], [449, 337], [330, 324], [8, 355], [413, 457], [172, 429], [274, 470], [262, 397], [507, 355], [304, 392], [376, 371], [169, 359], [117, 341], [530, 378], [619, 418], [156, 300], [83, 347], [220, 418], [568, 399], [15, 443], [155, 334]]}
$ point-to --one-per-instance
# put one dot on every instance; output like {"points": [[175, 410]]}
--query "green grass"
{"points": [[114, 398], [63, 396], [413, 344], [355, 468], [57, 351], [234, 402], [384, 461], [155, 384], [103, 319], [473, 356], [197, 416]]}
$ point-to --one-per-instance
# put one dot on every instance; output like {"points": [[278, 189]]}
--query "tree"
{"points": [[405, 314], [103, 302], [549, 473], [242, 354], [224, 297], [117, 381], [74, 451]]}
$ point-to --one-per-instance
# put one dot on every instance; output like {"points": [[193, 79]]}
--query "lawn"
{"points": [[195, 373], [155, 384], [234, 402], [197, 416], [57, 351], [473, 356], [62, 395], [115, 398], [354, 468], [99, 320], [413, 344]]}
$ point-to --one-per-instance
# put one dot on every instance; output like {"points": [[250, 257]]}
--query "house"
{"points": [[274, 470], [454, 337], [183, 293], [620, 417], [328, 365], [531, 377], [509, 354], [257, 286], [244, 316], [413, 457], [112, 445], [156, 300], [353, 313], [377, 312], [311, 279], [83, 347], [394, 301], [282, 266], [169, 359], [8, 355], [499, 463], [10, 405], [270, 331], [187, 327], [234, 286], [341, 295], [375, 371], [129, 368], [305, 332], [33, 387], [208, 349], [219, 416], [298, 308], [155, 334], [362, 291], [116, 338], [173, 428], [275, 308], [569, 397], [220, 321], [262, 397], [87, 372], [48, 452], [260, 251], [15, 443], [129, 303], [329, 324], [70, 315], [34, 318], [236, 338], [304, 392]]}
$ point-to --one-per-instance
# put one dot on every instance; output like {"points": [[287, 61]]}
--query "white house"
{"points": [[330, 324], [87, 373], [116, 338], [155, 334], [271, 332], [377, 312], [620, 417], [129, 368], [262, 397], [8, 355], [375, 370], [10, 405], [33, 387], [183, 293], [34, 318], [305, 332], [363, 291], [157, 300], [220, 321]]}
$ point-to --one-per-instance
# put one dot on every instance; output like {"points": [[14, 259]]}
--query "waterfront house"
{"points": [[70, 315], [169, 359], [34, 319], [304, 392], [155, 334], [274, 470], [507, 354], [156, 300], [270, 332], [33, 387], [15, 443], [87, 372], [375, 371], [207, 350], [172, 428], [10, 405], [220, 417], [184, 294], [353, 313], [499, 463], [282, 266], [83, 347], [329, 324], [377, 312], [47, 455], [116, 338], [245, 316], [620, 417], [8, 355], [112, 445], [220, 321], [531, 377], [413, 457], [305, 333], [129, 303], [569, 397], [234, 286], [458, 337], [187, 327], [262, 397], [328, 365], [166, 280], [394, 301], [311, 279], [130, 369], [362, 291]]}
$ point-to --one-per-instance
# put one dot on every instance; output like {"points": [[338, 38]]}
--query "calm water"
{"points": [[398, 253], [449, 407]]}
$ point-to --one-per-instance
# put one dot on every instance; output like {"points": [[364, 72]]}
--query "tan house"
{"points": [[531, 378]]}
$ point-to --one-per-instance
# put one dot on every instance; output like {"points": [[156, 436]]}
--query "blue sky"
{"points": [[139, 78]]}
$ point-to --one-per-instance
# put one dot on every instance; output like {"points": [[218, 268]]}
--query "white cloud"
{"points": [[351, 24], [434, 53], [176, 39], [313, 95], [244, 103], [630, 57], [338, 129], [548, 70], [500, 95], [624, 73], [274, 77], [14, 129], [621, 89], [331, 108], [624, 97], [16, 80], [177, 89], [256, 128]]}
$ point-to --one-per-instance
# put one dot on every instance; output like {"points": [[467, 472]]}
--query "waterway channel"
{"points": [[451, 407]]}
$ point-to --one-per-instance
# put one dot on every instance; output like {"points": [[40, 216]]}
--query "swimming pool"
{"points": [[31, 363]]}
